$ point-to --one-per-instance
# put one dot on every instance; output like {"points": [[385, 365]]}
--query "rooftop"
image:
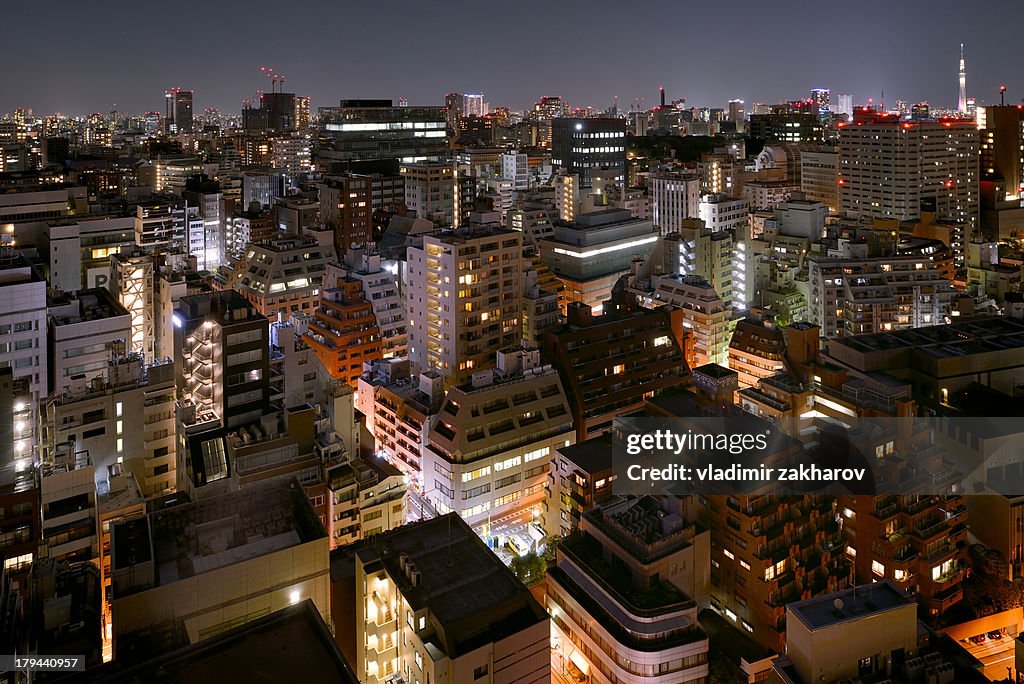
{"points": [[472, 596], [94, 304], [188, 540], [292, 644], [592, 456], [943, 341], [828, 610]]}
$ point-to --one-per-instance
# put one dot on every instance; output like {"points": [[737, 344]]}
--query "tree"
{"points": [[551, 548], [529, 568]]}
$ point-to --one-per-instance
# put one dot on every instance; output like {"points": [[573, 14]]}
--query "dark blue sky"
{"points": [[79, 57]]}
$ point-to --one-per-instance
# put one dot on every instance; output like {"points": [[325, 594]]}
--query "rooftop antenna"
{"points": [[1002, 96]]}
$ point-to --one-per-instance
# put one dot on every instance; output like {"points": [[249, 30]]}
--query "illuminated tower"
{"points": [[962, 104]]}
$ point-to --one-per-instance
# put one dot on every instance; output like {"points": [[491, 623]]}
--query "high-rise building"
{"points": [[473, 104], [784, 126], [430, 191], [736, 111], [844, 105], [178, 111], [590, 148], [346, 208], [463, 299], [674, 198], [222, 365], [205, 238], [892, 169], [821, 102], [376, 129]]}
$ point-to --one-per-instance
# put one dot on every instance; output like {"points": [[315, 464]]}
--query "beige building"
{"points": [[366, 498], [853, 633], [463, 299], [433, 604], [208, 566], [489, 450], [124, 420]]}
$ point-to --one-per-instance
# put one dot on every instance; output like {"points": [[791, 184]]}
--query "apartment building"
{"points": [[611, 363], [581, 476], [367, 497], [705, 315], [757, 350], [463, 299], [433, 604], [489, 450], [400, 409], [864, 296], [625, 591], [124, 419], [343, 332]]}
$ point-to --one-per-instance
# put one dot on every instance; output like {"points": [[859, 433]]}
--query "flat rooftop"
{"points": [[473, 598], [856, 602], [942, 341], [188, 540], [289, 645], [94, 304], [591, 456]]}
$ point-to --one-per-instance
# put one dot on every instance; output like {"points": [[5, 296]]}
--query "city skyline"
{"points": [[77, 79]]}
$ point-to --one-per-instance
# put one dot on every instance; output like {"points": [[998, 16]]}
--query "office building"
{"points": [[432, 602], [489, 450], [123, 418], [178, 115], [184, 567], [674, 199], [610, 363], [589, 148], [430, 191], [284, 275], [221, 357], [23, 344], [724, 213], [819, 175], [67, 492], [592, 252], [786, 127], [639, 622], [463, 299], [206, 239], [85, 330], [892, 169], [346, 208], [360, 130]]}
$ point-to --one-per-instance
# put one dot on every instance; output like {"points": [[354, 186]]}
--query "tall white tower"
{"points": [[962, 105]]}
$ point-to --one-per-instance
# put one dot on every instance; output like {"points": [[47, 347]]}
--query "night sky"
{"points": [[85, 56]]}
